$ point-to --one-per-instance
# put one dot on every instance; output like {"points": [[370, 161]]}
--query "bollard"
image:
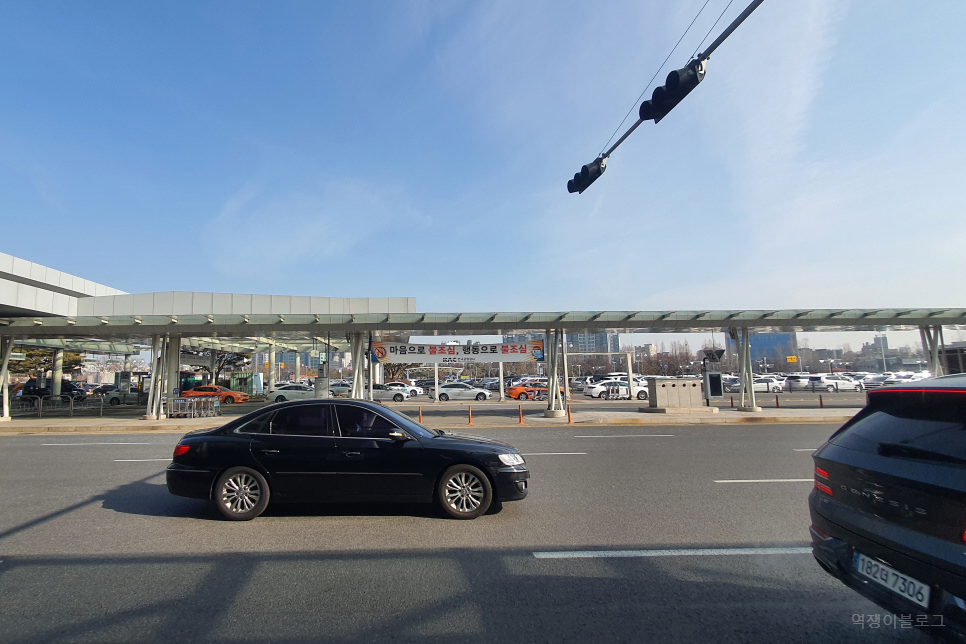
{"points": [[471, 415], [521, 414], [420, 414], [776, 402], [732, 402], [570, 417], [821, 403]]}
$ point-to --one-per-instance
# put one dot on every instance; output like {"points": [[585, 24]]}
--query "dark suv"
{"points": [[67, 389], [888, 507]]}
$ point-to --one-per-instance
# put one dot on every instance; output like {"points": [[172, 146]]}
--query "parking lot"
{"points": [[678, 533]]}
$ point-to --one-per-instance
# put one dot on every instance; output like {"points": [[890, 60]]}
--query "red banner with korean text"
{"points": [[402, 352]]}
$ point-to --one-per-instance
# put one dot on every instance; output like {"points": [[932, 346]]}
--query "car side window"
{"points": [[258, 425], [359, 422], [302, 420]]}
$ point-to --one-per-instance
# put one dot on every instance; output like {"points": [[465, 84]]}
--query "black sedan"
{"points": [[888, 507], [342, 451]]}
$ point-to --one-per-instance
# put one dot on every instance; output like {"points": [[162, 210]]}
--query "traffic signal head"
{"points": [[587, 175], [679, 84]]}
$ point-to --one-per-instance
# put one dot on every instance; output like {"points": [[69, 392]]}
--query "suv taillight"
{"points": [[181, 449]]}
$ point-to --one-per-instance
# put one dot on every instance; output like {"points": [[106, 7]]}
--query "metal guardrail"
{"points": [[28, 405]]}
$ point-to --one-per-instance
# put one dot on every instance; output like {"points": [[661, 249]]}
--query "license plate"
{"points": [[888, 577]]}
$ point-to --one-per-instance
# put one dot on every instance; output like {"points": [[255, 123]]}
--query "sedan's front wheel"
{"points": [[464, 492], [642, 395], [397, 398], [241, 494], [481, 396]]}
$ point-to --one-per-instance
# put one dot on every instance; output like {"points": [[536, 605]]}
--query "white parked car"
{"points": [[411, 390], [460, 391], [382, 393], [767, 384], [600, 389], [290, 392], [830, 382]]}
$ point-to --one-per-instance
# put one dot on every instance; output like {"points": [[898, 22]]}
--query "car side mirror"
{"points": [[398, 436]]}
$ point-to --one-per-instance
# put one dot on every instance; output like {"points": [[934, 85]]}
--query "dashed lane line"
{"points": [[679, 552]]}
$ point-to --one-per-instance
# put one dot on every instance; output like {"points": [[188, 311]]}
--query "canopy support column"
{"points": [[153, 382], [554, 404], [747, 377], [6, 347], [57, 372], [174, 366], [357, 347], [271, 366], [566, 373], [931, 338]]}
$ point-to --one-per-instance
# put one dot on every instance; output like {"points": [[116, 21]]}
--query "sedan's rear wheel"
{"points": [[279, 398], [241, 494], [603, 394], [464, 492], [397, 398], [776, 390], [523, 396], [642, 395], [115, 402], [830, 388], [443, 398]]}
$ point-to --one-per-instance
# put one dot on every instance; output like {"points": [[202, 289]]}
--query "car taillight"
{"points": [[181, 449], [823, 488], [820, 472]]}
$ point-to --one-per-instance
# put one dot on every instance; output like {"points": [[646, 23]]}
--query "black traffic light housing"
{"points": [[679, 84], [587, 175]]}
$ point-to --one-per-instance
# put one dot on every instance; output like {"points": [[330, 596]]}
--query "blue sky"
{"points": [[423, 149]]}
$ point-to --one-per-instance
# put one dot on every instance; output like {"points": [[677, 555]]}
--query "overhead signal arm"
{"points": [[679, 84]]}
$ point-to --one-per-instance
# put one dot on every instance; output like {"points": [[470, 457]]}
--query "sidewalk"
{"points": [[448, 422]]}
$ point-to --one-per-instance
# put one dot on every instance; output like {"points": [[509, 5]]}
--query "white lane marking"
{"points": [[556, 454], [765, 480], [621, 435], [61, 444], [806, 450], [682, 552], [139, 460]]}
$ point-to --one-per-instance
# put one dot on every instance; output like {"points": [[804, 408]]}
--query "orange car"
{"points": [[225, 396], [527, 391]]}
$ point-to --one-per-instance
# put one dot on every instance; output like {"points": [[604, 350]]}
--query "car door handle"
{"points": [[269, 451], [352, 454]]}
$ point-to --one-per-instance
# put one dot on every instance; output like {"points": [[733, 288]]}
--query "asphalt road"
{"points": [[94, 549]]}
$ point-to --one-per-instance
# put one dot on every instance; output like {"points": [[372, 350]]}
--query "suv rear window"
{"points": [[931, 425]]}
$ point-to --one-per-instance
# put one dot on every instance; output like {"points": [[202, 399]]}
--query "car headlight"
{"points": [[511, 459]]}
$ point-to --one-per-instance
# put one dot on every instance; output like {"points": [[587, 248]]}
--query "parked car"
{"points": [[295, 452], [225, 396], [382, 393], [600, 389], [133, 397], [530, 391], [340, 387], [68, 389], [887, 505], [797, 381], [871, 382], [101, 390], [460, 391], [411, 390], [290, 392], [829, 382], [759, 385]]}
